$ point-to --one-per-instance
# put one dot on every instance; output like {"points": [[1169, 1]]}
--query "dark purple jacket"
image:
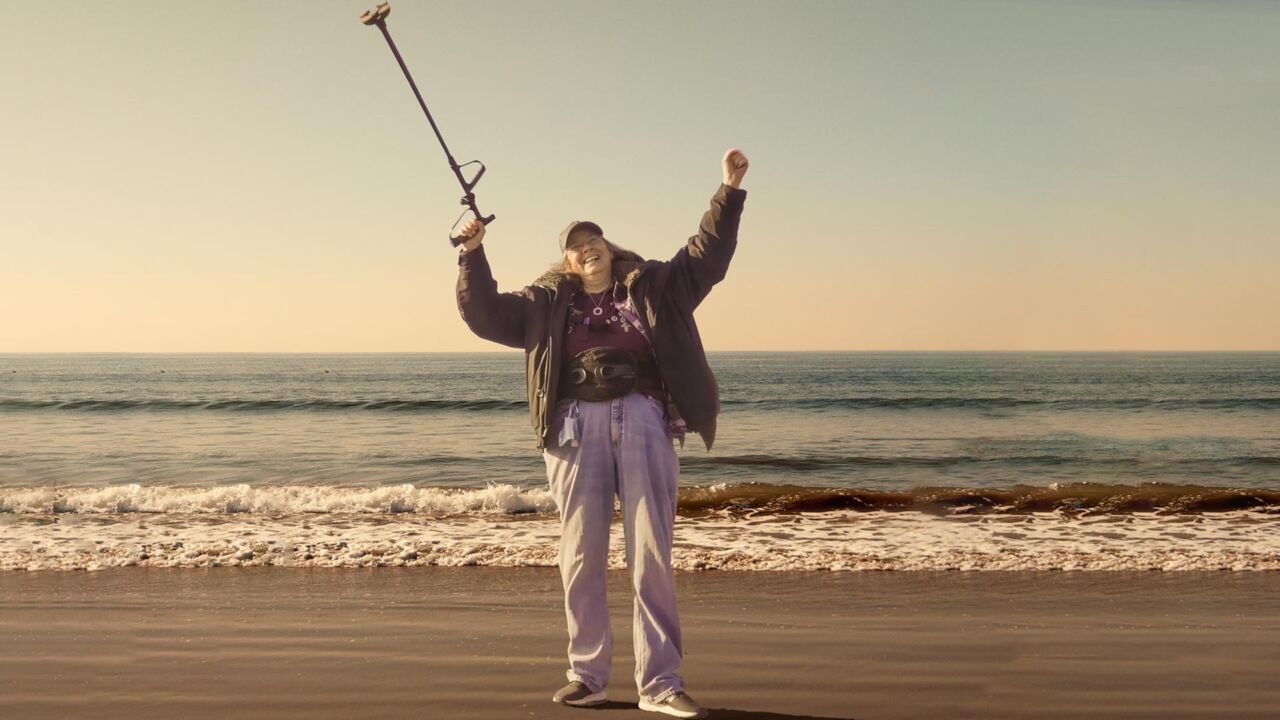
{"points": [[665, 294]]}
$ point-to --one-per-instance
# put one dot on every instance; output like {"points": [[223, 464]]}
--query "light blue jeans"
{"points": [[622, 448]]}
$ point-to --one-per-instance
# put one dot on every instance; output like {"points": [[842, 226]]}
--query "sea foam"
{"points": [[243, 498], [839, 540]]}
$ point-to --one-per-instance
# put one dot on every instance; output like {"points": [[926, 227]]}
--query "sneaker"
{"points": [[678, 704], [577, 694]]}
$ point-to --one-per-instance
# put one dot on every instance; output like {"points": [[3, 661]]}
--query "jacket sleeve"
{"points": [[499, 317], [704, 260]]}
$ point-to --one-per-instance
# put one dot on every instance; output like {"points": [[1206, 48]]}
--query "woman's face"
{"points": [[587, 253]]}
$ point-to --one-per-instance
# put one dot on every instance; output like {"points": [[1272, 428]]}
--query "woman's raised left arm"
{"points": [[704, 260]]}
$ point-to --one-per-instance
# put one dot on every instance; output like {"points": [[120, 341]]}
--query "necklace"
{"points": [[598, 310]]}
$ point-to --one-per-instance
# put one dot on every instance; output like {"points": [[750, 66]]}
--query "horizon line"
{"points": [[517, 350]]}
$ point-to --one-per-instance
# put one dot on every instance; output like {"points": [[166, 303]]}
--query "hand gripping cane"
{"points": [[378, 16]]}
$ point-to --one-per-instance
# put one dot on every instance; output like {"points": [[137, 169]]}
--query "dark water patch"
{"points": [[1089, 498], [837, 462]]}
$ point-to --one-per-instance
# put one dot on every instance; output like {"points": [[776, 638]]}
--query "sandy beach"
{"points": [[488, 643]]}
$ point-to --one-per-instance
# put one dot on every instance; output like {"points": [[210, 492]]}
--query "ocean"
{"points": [[822, 460]]}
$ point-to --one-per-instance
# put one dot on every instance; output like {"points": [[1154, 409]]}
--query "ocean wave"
{"points": [[743, 498], [998, 403], [1130, 464], [836, 541], [428, 405], [1080, 497], [809, 463], [247, 405]]}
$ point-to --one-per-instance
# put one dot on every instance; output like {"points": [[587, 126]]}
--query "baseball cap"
{"points": [[576, 225]]}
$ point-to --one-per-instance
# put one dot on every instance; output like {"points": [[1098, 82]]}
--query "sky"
{"points": [[950, 175]]}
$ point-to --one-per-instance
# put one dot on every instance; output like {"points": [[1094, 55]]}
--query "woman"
{"points": [[615, 371]]}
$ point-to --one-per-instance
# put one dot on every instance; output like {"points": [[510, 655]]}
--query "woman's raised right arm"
{"points": [[494, 316]]}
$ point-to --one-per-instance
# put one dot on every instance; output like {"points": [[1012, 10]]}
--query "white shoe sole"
{"points": [[646, 705], [588, 701]]}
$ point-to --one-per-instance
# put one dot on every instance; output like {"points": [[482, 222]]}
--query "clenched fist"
{"points": [[473, 232], [735, 166]]}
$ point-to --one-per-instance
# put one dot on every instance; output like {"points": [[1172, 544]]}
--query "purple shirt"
{"points": [[606, 328]]}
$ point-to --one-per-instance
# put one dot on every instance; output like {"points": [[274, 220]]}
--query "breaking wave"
{"points": [[752, 498]]}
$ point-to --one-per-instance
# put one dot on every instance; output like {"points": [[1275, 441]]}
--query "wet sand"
{"points": [[489, 643]]}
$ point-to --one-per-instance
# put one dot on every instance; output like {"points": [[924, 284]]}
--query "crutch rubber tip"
{"points": [[376, 15]]}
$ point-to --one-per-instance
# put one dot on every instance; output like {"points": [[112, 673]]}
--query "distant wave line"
{"points": [[992, 403], [437, 405], [829, 462], [253, 405]]}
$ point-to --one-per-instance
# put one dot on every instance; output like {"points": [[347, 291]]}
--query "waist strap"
{"points": [[604, 373]]}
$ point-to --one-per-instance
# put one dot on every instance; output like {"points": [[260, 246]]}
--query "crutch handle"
{"points": [[456, 240]]}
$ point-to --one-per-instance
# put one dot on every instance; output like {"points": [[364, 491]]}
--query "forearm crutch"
{"points": [[378, 17]]}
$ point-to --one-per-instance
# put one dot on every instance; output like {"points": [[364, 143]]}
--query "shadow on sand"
{"points": [[725, 713]]}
